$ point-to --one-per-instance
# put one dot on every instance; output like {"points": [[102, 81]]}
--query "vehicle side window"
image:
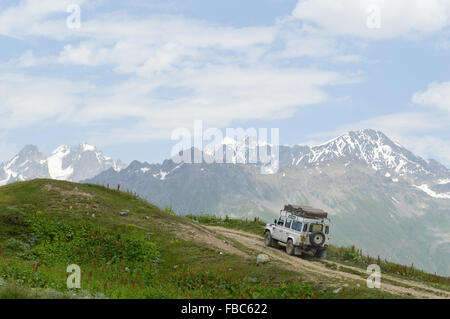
{"points": [[280, 222], [288, 223], [297, 226], [315, 227], [305, 228], [327, 229]]}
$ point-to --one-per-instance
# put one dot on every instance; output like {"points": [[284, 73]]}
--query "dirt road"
{"points": [[313, 270]]}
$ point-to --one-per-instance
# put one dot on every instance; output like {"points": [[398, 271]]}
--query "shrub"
{"points": [[62, 242], [169, 210]]}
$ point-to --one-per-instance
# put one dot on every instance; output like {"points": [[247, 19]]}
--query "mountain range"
{"points": [[380, 196], [64, 163]]}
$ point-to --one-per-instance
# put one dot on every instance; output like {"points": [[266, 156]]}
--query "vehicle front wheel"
{"points": [[268, 240], [290, 247], [322, 254]]}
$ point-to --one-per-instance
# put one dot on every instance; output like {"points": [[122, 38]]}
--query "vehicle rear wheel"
{"points": [[290, 247], [268, 240]]}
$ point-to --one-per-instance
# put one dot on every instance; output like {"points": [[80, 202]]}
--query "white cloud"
{"points": [[27, 100], [437, 95], [147, 45], [217, 95], [224, 73], [160, 43], [397, 17], [428, 147], [401, 123], [303, 41]]}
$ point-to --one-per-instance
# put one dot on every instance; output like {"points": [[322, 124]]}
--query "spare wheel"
{"points": [[317, 238]]}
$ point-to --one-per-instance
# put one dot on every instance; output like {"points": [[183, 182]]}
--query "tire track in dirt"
{"points": [[411, 283], [315, 269], [203, 235]]}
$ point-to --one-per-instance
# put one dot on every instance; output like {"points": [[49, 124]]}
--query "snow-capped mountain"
{"points": [[64, 163], [378, 152], [380, 195], [373, 148], [370, 148], [367, 147]]}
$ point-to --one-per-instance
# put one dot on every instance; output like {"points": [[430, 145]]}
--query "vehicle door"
{"points": [[278, 230], [287, 229], [296, 230]]}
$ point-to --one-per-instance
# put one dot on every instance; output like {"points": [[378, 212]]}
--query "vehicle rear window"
{"points": [[315, 227], [327, 229]]}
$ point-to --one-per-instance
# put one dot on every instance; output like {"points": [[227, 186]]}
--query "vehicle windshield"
{"points": [[315, 227]]}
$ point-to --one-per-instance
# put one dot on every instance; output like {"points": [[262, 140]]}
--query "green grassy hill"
{"points": [[128, 248]]}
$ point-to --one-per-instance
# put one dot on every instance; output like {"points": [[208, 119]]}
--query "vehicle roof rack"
{"points": [[306, 211]]}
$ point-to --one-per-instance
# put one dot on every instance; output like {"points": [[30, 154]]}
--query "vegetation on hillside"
{"points": [[125, 247]]}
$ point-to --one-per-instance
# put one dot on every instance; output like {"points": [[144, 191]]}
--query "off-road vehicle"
{"points": [[304, 230]]}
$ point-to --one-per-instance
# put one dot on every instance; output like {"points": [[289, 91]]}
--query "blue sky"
{"points": [[136, 70]]}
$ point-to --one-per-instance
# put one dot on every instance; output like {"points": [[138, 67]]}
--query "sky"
{"points": [[127, 73]]}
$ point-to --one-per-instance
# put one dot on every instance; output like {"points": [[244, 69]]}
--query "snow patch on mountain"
{"points": [[162, 175], [55, 164], [86, 147], [425, 188]]}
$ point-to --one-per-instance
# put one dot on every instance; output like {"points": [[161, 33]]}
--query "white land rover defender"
{"points": [[304, 230]]}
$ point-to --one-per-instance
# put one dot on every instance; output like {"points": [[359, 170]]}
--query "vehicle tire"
{"points": [[290, 247], [268, 240], [317, 239]]}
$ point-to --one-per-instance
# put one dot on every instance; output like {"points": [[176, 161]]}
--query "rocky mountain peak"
{"points": [[64, 163]]}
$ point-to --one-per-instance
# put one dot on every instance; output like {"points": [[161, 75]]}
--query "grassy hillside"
{"points": [[128, 248]]}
